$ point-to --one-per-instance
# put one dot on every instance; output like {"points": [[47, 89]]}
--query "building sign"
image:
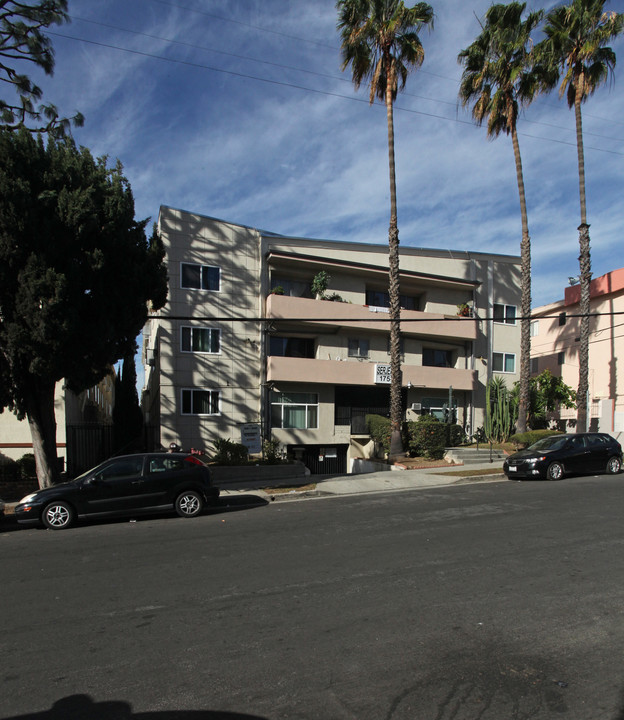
{"points": [[383, 374], [250, 438]]}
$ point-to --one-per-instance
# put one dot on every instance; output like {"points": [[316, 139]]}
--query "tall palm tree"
{"points": [[499, 77], [576, 36], [380, 41]]}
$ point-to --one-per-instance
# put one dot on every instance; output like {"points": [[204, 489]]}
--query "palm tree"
{"points": [[380, 41], [576, 36], [499, 77]]}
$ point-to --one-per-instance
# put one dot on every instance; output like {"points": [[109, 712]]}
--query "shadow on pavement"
{"points": [[82, 707], [227, 503]]}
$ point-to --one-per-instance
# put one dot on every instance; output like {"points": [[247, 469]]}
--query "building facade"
{"points": [[243, 340], [555, 338]]}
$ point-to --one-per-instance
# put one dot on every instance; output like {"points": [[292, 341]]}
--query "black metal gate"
{"points": [[322, 459], [88, 444]]}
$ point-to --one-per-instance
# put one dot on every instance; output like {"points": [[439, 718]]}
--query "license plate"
{"points": [[513, 469]]}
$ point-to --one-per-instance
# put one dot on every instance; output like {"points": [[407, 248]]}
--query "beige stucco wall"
{"points": [[236, 370], [15, 438]]}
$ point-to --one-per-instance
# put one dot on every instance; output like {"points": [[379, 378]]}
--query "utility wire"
{"points": [[315, 73], [327, 93]]}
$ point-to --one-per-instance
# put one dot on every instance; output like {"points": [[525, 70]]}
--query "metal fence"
{"points": [[88, 444]]}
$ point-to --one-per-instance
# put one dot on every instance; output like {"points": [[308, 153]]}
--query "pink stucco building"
{"points": [[555, 341]]}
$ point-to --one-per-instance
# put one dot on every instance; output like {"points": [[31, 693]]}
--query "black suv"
{"points": [[124, 485]]}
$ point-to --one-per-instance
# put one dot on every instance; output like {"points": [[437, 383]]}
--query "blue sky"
{"points": [[239, 110]]}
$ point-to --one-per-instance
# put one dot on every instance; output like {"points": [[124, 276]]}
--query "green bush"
{"points": [[427, 437], [9, 470], [272, 451], [379, 429], [27, 466], [528, 438], [228, 452], [455, 435]]}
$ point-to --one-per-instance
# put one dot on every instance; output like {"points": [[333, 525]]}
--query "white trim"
{"points": [[193, 390], [199, 327]]}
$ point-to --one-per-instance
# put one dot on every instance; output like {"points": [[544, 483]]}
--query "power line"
{"points": [[295, 86], [388, 319], [315, 73]]}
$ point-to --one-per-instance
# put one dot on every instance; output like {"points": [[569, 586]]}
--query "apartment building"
{"points": [[242, 341], [555, 338]]}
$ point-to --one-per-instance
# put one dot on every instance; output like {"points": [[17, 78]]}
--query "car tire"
{"points": [[57, 515], [614, 465], [189, 503], [555, 471]]}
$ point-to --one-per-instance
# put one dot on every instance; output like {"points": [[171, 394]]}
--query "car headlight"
{"points": [[28, 498]]}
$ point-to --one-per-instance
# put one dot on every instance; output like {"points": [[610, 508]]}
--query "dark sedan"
{"points": [[554, 456], [128, 484]]}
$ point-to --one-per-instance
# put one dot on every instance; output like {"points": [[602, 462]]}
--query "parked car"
{"points": [[128, 484], [554, 456]]}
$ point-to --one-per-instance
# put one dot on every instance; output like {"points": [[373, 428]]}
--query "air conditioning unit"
{"points": [[417, 407]]}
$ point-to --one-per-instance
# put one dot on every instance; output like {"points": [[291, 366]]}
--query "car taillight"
{"points": [[194, 460]]}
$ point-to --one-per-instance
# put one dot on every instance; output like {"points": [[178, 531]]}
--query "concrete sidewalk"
{"points": [[376, 482]]}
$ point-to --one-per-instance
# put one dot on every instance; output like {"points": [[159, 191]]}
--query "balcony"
{"points": [[332, 316], [351, 372]]}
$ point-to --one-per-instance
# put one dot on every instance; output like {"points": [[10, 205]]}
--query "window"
{"points": [[200, 340], [378, 298], [534, 365], [561, 357], [291, 347], [200, 402], [200, 277], [562, 319], [504, 362], [296, 411], [535, 328], [433, 357], [358, 348], [293, 288], [505, 314]]}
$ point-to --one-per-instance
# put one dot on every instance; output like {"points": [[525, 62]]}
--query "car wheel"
{"points": [[555, 471], [189, 503], [58, 515], [614, 465]]}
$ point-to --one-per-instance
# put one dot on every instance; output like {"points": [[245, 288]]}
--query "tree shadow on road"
{"points": [[82, 707]]}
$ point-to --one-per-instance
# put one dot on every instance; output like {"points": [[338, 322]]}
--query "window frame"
{"points": [[309, 407], [504, 356], [201, 277], [361, 343], [505, 320], [193, 328], [210, 391]]}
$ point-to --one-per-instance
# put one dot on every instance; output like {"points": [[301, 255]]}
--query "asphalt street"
{"points": [[489, 601]]}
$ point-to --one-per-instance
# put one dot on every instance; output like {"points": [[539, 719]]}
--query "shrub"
{"points": [[228, 452], [528, 438], [456, 435], [273, 454], [379, 429], [27, 466], [427, 437], [9, 470]]}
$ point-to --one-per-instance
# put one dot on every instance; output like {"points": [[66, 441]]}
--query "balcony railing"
{"points": [[323, 313], [355, 417]]}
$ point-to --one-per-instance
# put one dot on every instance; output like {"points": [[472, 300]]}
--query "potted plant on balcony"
{"points": [[464, 310]]}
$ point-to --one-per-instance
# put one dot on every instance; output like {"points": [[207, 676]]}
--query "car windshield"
{"points": [[554, 442]]}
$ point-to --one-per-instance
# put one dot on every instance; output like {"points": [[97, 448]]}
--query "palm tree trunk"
{"points": [[585, 281], [525, 307], [396, 441]]}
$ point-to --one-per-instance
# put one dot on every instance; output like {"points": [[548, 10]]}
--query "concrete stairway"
{"points": [[472, 456]]}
